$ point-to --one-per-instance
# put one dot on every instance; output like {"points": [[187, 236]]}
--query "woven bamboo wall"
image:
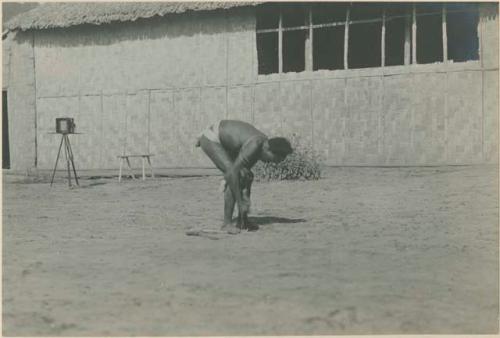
{"points": [[154, 85]]}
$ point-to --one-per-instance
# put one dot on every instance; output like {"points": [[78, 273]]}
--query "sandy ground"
{"points": [[364, 250]]}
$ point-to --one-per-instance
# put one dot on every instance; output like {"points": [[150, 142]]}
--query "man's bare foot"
{"points": [[231, 229]]}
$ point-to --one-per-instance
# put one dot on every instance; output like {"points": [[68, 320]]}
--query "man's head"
{"points": [[276, 149]]}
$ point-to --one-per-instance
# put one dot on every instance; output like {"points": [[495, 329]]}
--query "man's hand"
{"points": [[246, 176]]}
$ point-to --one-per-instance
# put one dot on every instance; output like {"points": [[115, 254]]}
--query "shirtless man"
{"points": [[234, 147]]}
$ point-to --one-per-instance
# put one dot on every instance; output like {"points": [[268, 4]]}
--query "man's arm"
{"points": [[248, 156]]}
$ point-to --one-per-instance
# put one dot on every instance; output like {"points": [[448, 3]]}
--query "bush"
{"points": [[303, 164]]}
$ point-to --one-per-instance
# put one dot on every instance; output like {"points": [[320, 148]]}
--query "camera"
{"points": [[65, 125]]}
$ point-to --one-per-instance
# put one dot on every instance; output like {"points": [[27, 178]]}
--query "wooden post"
{"points": [[346, 38], [445, 35], [383, 40], [309, 44], [280, 45], [407, 40], [414, 35]]}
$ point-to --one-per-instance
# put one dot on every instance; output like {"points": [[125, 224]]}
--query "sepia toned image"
{"points": [[250, 168]]}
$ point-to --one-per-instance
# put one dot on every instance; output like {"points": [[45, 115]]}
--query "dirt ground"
{"points": [[361, 251]]}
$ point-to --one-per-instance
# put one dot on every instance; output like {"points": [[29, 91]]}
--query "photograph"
{"points": [[231, 168]]}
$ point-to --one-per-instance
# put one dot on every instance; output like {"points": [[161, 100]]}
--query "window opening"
{"points": [[328, 38], [325, 13], [268, 16], [364, 45], [366, 11], [397, 34], [328, 48], [267, 53], [365, 33], [461, 23], [294, 51], [293, 37], [294, 15], [429, 36]]}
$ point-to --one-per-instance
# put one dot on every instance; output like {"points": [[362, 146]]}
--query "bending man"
{"points": [[234, 147]]}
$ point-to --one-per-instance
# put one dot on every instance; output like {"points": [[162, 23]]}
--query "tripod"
{"points": [[69, 159]]}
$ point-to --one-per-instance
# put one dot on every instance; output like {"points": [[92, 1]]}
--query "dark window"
{"points": [[294, 15], [398, 9], [328, 48], [366, 24], [365, 45], [328, 42], [365, 11], [397, 29], [365, 38], [463, 42], [294, 51], [268, 16], [395, 42], [267, 53], [429, 38], [324, 12], [429, 8]]}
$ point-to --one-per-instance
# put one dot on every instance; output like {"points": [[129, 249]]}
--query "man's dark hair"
{"points": [[280, 145]]}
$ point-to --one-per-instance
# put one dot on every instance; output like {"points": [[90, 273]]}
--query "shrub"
{"points": [[303, 164]]}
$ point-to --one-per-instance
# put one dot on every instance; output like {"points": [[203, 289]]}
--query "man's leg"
{"points": [[247, 190], [229, 203], [246, 186], [223, 161]]}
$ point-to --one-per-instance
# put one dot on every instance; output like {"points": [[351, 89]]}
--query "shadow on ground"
{"points": [[265, 220]]}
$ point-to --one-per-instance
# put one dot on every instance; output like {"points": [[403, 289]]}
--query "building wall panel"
{"points": [[21, 104], [329, 114], [187, 111], [396, 120], [240, 103], [267, 115], [296, 110], [6, 55], [489, 35], [58, 65], [87, 146], [428, 131], [464, 118], [242, 53], [490, 123], [213, 49], [114, 121], [137, 126], [162, 128], [364, 100]]}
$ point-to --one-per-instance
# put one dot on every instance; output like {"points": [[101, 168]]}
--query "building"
{"points": [[364, 83]]}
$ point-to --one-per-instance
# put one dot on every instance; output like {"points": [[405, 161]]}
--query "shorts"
{"points": [[212, 133]]}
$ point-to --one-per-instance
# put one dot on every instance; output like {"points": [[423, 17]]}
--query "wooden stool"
{"points": [[144, 157]]}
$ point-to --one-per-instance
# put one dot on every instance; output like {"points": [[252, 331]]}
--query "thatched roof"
{"points": [[59, 15]]}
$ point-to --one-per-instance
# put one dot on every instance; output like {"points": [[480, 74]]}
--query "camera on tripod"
{"points": [[65, 125]]}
